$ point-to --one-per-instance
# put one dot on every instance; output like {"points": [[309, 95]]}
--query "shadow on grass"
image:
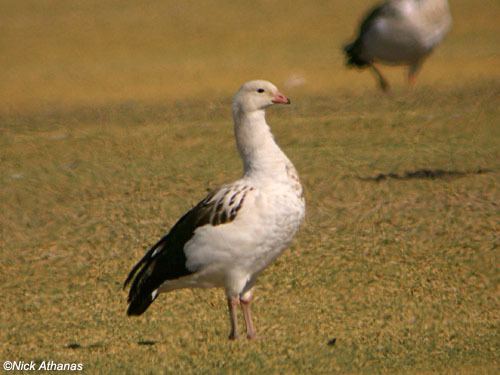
{"points": [[424, 174], [75, 345], [146, 342]]}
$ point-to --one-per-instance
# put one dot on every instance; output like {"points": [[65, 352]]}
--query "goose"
{"points": [[399, 32], [237, 230]]}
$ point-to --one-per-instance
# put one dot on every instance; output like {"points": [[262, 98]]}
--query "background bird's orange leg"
{"points": [[412, 73]]}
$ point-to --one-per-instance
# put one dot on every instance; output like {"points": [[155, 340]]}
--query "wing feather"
{"points": [[166, 260]]}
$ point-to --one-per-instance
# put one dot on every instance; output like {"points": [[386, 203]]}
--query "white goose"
{"points": [[233, 234], [399, 32]]}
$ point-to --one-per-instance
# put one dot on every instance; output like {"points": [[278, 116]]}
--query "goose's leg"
{"points": [[412, 73], [232, 304], [382, 82], [246, 300]]}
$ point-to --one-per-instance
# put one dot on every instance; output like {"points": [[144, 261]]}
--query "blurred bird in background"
{"points": [[399, 32]]}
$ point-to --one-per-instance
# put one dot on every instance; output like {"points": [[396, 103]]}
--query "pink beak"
{"points": [[279, 98]]}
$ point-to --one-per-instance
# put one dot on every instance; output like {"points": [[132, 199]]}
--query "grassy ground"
{"points": [[114, 119]]}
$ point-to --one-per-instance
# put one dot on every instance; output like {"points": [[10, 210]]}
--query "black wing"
{"points": [[385, 9], [354, 50], [166, 260]]}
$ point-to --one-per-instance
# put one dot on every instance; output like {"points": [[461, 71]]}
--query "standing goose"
{"points": [[399, 32], [233, 234]]}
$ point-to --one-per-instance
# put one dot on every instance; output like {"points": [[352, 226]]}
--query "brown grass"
{"points": [[94, 52]]}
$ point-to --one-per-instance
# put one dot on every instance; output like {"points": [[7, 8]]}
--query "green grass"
{"points": [[97, 162]]}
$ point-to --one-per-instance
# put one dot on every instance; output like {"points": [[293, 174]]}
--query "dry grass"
{"points": [[109, 131], [94, 52]]}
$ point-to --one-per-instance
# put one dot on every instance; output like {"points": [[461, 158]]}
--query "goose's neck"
{"points": [[261, 155]]}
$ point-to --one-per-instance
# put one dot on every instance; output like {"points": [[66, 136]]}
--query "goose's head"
{"points": [[257, 95]]}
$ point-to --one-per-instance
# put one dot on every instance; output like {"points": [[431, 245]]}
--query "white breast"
{"points": [[264, 227]]}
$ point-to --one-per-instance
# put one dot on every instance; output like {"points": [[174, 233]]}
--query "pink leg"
{"points": [[232, 303], [412, 73], [246, 300]]}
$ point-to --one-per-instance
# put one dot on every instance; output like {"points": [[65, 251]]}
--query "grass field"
{"points": [[115, 119]]}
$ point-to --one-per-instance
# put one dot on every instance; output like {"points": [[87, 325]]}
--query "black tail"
{"points": [[353, 54], [141, 292], [143, 289], [164, 261], [140, 303]]}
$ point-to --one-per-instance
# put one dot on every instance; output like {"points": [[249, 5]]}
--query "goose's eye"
{"points": [[260, 90]]}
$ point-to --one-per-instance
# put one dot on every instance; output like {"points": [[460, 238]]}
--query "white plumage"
{"points": [[399, 32], [232, 235]]}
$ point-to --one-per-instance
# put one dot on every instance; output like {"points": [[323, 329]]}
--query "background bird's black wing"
{"points": [[354, 50], [373, 14]]}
